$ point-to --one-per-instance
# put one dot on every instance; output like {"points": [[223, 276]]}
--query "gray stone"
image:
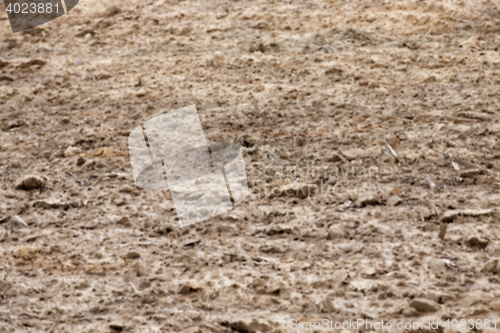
{"points": [[394, 201], [133, 255], [424, 305], [30, 182]]}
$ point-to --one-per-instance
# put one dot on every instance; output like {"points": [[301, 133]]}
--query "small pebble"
{"points": [[133, 255]]}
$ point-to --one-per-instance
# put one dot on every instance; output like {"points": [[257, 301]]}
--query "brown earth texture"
{"points": [[371, 138]]}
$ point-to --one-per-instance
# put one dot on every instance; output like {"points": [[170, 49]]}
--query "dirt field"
{"points": [[379, 118]]}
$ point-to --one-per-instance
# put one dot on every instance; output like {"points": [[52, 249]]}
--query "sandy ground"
{"points": [[397, 100]]}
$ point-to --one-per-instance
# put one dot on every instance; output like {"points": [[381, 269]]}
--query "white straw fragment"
{"points": [[448, 263], [135, 289], [20, 220], [431, 183], [391, 150]]}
